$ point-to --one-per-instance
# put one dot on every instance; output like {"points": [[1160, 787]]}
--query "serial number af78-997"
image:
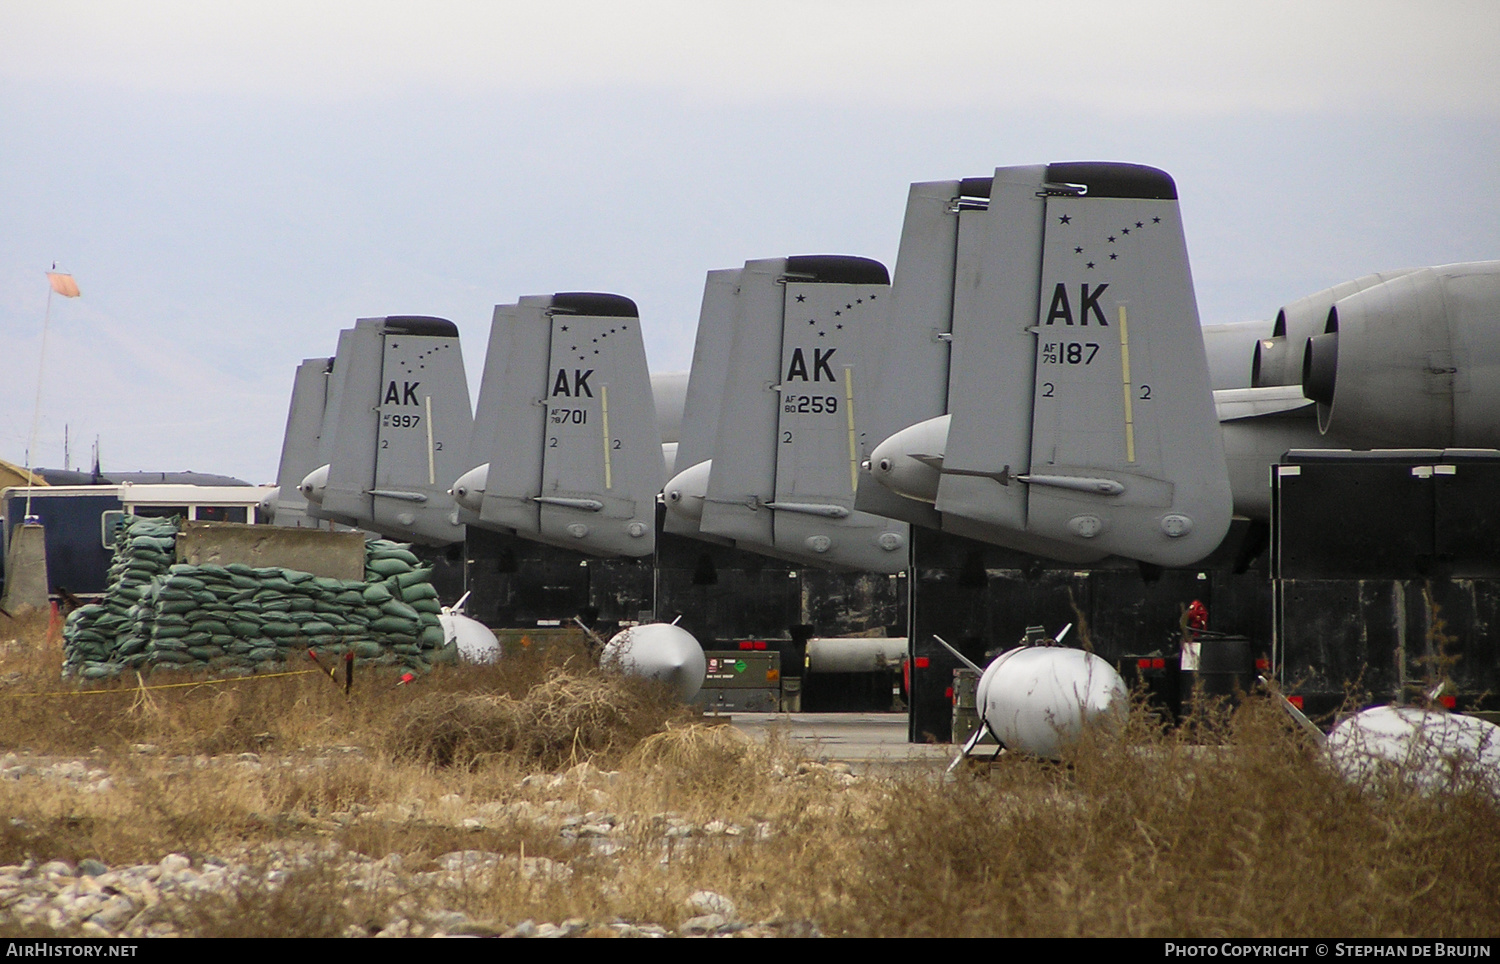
{"points": [[400, 421]]}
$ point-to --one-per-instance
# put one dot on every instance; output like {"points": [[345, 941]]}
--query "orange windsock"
{"points": [[63, 284]]}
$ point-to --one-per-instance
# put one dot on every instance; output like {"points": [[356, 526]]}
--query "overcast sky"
{"points": [[231, 184]]}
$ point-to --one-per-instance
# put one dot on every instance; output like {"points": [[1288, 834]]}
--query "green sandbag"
{"points": [[388, 567], [405, 555], [398, 608], [421, 590], [396, 626], [407, 579]]}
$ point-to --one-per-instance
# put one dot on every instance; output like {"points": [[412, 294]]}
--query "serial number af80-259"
{"points": [[816, 404]]}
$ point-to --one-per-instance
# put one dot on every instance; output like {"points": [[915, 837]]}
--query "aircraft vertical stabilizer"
{"points": [[403, 419], [315, 485], [1076, 356], [576, 457], [299, 446], [700, 411], [909, 357], [790, 441], [1122, 451], [488, 418], [990, 380]]}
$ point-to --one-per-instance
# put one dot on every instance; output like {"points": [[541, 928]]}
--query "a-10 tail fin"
{"points": [[789, 440], [568, 424], [1080, 420], [299, 446], [398, 420], [688, 482]]}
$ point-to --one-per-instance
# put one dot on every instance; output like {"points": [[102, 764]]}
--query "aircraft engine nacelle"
{"points": [[1278, 357], [659, 651], [1412, 362], [1429, 750], [1038, 699]]}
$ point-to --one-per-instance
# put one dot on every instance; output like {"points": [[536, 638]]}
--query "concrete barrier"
{"points": [[25, 570], [340, 555]]}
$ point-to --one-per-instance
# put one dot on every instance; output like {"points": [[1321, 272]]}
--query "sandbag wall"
{"points": [[237, 619]]}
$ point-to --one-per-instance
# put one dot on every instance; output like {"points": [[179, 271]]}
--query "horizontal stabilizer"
{"points": [[1233, 404]]}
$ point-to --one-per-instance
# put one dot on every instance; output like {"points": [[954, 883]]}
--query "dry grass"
{"points": [[565, 720], [1231, 827], [1249, 837]]}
